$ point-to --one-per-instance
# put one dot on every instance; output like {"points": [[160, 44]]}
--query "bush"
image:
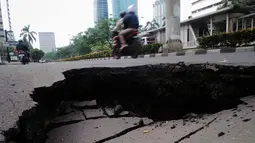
{"points": [[101, 54], [151, 48], [146, 49], [231, 39]]}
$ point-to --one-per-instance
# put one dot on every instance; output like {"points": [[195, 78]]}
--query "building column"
{"points": [[211, 26], [237, 22], [173, 26], [227, 22], [252, 21], [193, 34]]}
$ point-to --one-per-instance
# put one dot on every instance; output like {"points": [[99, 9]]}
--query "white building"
{"points": [[201, 7], [47, 41], [205, 20], [2, 34], [159, 11]]}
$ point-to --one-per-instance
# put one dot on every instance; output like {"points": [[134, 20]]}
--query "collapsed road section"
{"points": [[159, 92]]}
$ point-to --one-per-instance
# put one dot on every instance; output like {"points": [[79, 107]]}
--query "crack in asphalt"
{"points": [[85, 107], [123, 132], [52, 126], [195, 131]]}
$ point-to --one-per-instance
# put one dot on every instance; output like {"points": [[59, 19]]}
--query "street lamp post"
{"points": [[173, 42]]}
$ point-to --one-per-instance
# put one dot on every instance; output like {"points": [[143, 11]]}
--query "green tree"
{"points": [[94, 39], [164, 21], [50, 56], [150, 25], [28, 36], [99, 48], [80, 42], [36, 54], [141, 29], [100, 34], [66, 52], [244, 6]]}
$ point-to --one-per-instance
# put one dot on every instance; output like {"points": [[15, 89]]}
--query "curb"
{"points": [[195, 52]]}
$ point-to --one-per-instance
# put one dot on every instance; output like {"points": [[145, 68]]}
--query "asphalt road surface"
{"points": [[17, 81]]}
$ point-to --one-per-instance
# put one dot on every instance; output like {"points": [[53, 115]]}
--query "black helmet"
{"points": [[122, 14], [20, 41]]}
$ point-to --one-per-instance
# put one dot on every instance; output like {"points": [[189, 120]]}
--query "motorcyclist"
{"points": [[21, 46], [131, 23], [119, 25]]}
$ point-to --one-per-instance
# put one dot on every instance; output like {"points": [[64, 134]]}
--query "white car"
{"points": [[42, 61]]}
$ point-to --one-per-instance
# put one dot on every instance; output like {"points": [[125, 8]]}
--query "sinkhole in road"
{"points": [[159, 92]]}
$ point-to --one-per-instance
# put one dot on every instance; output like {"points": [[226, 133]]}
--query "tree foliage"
{"points": [[100, 34], [245, 6], [94, 39], [36, 54], [50, 56], [150, 25], [28, 36]]}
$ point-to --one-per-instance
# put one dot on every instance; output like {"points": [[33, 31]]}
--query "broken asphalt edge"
{"points": [[152, 91]]}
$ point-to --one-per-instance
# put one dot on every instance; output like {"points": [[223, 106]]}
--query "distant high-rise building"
{"points": [[100, 10], [159, 11], [47, 41], [2, 34], [119, 6]]}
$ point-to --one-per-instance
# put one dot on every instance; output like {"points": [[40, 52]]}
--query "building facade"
{"points": [[201, 7], [207, 20], [2, 34], [100, 10], [47, 41], [119, 6], [159, 11]]}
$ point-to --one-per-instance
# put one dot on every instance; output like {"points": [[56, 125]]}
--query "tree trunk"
{"points": [[30, 49], [173, 42]]}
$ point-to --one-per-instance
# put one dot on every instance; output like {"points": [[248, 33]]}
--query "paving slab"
{"points": [[235, 125], [90, 131], [235, 129], [75, 115]]}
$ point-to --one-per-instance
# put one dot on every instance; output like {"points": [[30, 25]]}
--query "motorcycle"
{"points": [[133, 49], [23, 57]]}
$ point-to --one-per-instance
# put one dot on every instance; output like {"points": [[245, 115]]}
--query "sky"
{"points": [[65, 18]]}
